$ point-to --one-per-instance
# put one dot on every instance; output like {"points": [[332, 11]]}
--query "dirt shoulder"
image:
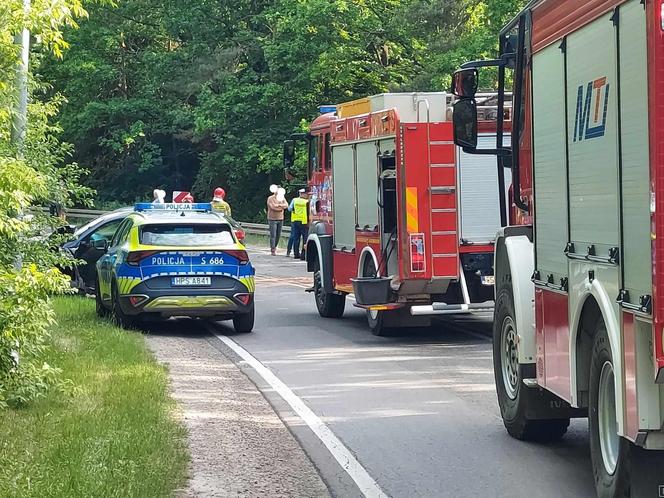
{"points": [[238, 444]]}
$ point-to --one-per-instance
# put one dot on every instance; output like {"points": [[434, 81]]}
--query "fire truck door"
{"points": [[550, 166], [637, 258], [593, 138], [426, 179]]}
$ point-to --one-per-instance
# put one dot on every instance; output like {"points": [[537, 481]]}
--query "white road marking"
{"points": [[367, 485]]}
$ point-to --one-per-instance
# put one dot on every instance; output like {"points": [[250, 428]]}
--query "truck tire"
{"points": [[375, 318], [376, 321], [119, 317], [329, 304], [244, 322], [509, 375], [609, 452]]}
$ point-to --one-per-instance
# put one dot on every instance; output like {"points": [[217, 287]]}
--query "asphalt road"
{"points": [[417, 409]]}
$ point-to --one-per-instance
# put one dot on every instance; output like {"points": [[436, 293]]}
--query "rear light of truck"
{"points": [[239, 254], [135, 257], [417, 253], [661, 15]]}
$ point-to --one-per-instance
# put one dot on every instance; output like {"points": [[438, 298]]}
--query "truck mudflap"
{"points": [[542, 404]]}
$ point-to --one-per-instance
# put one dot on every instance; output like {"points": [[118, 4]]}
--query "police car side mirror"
{"points": [[100, 244], [464, 119]]}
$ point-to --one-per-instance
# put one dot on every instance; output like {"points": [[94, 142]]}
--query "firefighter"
{"points": [[219, 202], [299, 223]]}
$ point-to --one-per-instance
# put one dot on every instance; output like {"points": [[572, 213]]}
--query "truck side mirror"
{"points": [[464, 82], [289, 154], [464, 119]]}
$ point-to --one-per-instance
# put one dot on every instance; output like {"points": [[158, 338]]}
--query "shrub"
{"points": [[32, 171]]}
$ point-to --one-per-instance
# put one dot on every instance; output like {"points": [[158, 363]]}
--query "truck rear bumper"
{"points": [[450, 309]]}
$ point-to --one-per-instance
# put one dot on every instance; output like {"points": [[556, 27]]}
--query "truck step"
{"points": [[450, 309]]}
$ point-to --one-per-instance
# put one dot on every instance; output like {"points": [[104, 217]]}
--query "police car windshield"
{"points": [[183, 235]]}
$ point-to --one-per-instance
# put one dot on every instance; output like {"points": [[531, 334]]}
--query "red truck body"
{"points": [[386, 201]]}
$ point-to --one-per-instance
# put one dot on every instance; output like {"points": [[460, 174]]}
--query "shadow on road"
{"points": [[174, 327]]}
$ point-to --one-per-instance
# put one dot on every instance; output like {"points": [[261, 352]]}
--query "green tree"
{"points": [[30, 173], [200, 93]]}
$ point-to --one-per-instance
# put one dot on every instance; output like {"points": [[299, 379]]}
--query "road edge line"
{"points": [[366, 484]]}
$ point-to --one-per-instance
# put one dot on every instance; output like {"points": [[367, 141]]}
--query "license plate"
{"points": [[190, 281], [488, 280]]}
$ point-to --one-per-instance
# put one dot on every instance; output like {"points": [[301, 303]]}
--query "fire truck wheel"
{"points": [[610, 453], [329, 305], [512, 395], [375, 318], [376, 321]]}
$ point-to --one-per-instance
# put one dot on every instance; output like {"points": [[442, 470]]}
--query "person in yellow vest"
{"points": [[219, 201], [299, 222]]}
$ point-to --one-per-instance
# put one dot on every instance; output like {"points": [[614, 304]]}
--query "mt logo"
{"points": [[591, 108]]}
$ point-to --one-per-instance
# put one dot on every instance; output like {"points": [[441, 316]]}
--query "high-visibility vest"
{"points": [[222, 207], [299, 210]]}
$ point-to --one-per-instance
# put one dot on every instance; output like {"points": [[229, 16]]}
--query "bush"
{"points": [[25, 318], [33, 170]]}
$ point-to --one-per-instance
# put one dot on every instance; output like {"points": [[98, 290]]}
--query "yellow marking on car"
{"points": [[126, 284], [248, 283]]}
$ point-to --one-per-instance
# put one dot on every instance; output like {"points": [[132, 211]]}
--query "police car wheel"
{"points": [[102, 311], [120, 318], [244, 322]]}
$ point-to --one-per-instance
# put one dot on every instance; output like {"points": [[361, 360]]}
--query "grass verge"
{"points": [[113, 433], [254, 240]]}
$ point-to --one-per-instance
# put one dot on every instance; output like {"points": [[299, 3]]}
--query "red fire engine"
{"points": [[399, 218], [579, 313]]}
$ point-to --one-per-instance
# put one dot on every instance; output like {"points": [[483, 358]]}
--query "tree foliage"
{"points": [[31, 173], [186, 94]]}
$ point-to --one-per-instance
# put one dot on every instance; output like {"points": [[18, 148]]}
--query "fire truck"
{"points": [[579, 310], [399, 218]]}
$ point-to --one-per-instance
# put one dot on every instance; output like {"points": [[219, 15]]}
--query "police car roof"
{"points": [[180, 217]]}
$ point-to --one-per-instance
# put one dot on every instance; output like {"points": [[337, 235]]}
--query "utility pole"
{"points": [[20, 121], [20, 118]]}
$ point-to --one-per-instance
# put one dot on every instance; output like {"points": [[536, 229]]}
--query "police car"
{"points": [[175, 260]]}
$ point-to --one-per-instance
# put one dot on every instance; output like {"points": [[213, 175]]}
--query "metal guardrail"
{"points": [[88, 214], [252, 228], [261, 229]]}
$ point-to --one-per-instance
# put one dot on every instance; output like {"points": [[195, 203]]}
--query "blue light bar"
{"points": [[183, 206], [324, 109]]}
